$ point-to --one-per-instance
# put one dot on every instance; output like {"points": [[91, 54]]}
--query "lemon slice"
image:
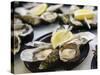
{"points": [[38, 10], [83, 13], [60, 37]]}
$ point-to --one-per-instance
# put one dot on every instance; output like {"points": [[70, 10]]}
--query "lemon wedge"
{"points": [[38, 10], [83, 13], [60, 37]]}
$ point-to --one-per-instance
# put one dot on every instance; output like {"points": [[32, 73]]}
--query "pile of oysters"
{"points": [[62, 49], [39, 13]]}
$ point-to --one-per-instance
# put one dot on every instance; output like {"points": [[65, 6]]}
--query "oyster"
{"points": [[32, 15], [73, 8], [50, 60], [25, 32], [69, 52], [33, 20], [15, 44], [36, 54], [49, 16], [42, 55], [89, 7], [16, 24], [81, 38], [21, 11], [63, 18], [75, 22], [30, 5]]}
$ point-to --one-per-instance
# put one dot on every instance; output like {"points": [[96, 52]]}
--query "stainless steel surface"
{"points": [[19, 66]]}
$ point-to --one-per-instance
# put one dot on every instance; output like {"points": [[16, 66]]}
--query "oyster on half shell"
{"points": [[69, 52], [25, 32], [36, 54], [49, 16]]}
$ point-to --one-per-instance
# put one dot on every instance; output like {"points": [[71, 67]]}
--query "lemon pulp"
{"points": [[60, 37], [38, 10], [83, 13]]}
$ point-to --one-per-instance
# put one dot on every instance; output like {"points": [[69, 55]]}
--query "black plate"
{"points": [[84, 49]]}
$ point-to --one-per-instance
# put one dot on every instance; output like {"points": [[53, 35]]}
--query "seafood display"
{"points": [[77, 16], [51, 37]]}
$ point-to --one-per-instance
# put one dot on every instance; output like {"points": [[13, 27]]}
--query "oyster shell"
{"points": [[24, 30], [85, 37], [63, 18], [36, 54], [73, 8], [25, 33], [30, 5], [21, 11], [81, 38], [33, 20], [89, 7], [75, 22], [64, 11], [16, 24], [15, 44], [53, 8], [49, 16]]}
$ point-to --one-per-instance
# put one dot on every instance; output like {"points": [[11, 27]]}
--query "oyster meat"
{"points": [[50, 60], [69, 52], [34, 20], [36, 54], [49, 16]]}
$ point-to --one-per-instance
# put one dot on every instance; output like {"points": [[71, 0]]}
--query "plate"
{"points": [[84, 50]]}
